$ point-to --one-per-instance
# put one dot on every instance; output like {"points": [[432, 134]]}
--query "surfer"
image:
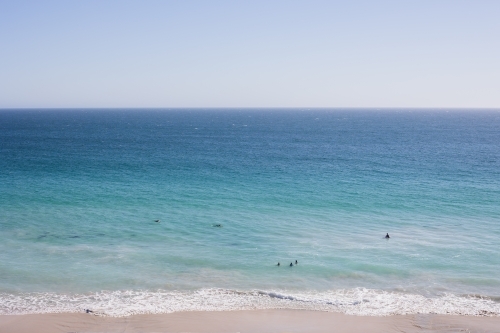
{"points": [[387, 236]]}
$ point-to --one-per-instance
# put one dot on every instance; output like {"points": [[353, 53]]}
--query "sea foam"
{"points": [[358, 301]]}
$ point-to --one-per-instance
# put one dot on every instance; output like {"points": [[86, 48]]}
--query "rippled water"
{"points": [[80, 191]]}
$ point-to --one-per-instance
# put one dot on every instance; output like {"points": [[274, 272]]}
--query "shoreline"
{"points": [[247, 321], [357, 301]]}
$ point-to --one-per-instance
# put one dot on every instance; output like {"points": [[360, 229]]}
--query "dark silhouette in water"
{"points": [[387, 236], [158, 221], [296, 262], [291, 264], [218, 225], [278, 264], [89, 311]]}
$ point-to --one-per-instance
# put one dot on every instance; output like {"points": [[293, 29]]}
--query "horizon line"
{"points": [[250, 107]]}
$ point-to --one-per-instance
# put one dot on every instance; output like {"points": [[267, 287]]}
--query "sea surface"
{"points": [[238, 190]]}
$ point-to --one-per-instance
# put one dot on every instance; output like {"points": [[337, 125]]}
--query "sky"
{"points": [[76, 54]]}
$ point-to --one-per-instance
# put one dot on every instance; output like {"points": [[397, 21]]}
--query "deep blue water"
{"points": [[80, 191]]}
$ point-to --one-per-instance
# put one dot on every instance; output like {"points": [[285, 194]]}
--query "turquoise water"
{"points": [[80, 191]]}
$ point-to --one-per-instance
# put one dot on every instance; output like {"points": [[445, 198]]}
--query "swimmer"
{"points": [[157, 221], [296, 262], [291, 264], [278, 264], [387, 236]]}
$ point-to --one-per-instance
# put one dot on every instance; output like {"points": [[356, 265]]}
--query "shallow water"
{"points": [[80, 191]]}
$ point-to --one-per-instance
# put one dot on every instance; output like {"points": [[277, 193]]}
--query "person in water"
{"points": [[278, 264], [296, 262], [291, 264], [387, 236]]}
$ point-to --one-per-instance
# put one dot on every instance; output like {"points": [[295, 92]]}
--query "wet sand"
{"points": [[257, 321]]}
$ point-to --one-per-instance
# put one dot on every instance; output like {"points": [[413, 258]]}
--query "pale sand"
{"points": [[247, 321]]}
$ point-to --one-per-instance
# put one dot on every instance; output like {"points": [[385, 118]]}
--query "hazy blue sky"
{"points": [[249, 54]]}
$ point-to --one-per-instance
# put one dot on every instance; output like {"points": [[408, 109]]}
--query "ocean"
{"points": [[161, 210]]}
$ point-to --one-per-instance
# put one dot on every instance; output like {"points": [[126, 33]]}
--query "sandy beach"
{"points": [[246, 321]]}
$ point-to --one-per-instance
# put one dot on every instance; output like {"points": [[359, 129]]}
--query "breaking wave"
{"points": [[358, 301]]}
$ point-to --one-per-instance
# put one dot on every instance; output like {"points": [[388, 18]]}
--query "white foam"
{"points": [[358, 301]]}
